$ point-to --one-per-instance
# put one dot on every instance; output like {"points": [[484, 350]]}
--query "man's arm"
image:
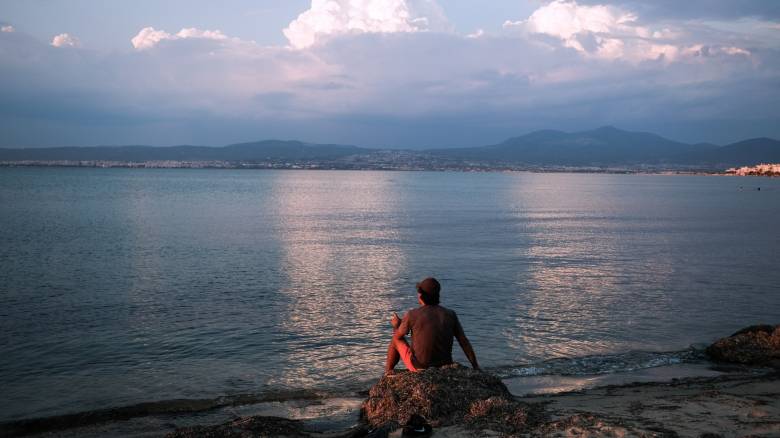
{"points": [[466, 345], [400, 326]]}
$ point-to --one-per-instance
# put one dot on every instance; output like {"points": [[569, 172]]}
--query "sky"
{"points": [[384, 73]]}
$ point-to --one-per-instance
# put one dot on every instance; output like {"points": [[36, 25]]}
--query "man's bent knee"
{"points": [[406, 353]]}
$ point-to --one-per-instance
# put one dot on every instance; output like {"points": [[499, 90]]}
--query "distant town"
{"points": [[398, 164], [759, 170]]}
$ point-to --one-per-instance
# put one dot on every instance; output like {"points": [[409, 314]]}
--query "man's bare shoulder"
{"points": [[446, 310], [435, 310]]}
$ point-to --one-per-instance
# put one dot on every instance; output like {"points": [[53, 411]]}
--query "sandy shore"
{"points": [[731, 405]]}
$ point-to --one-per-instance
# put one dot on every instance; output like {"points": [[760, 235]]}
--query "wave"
{"points": [[600, 364]]}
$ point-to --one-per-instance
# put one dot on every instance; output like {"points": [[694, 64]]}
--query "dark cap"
{"points": [[429, 286]]}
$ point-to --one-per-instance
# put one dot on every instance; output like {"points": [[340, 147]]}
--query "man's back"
{"points": [[433, 328]]}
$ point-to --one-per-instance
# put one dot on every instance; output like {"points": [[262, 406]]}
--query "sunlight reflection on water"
{"points": [[340, 262], [580, 259]]}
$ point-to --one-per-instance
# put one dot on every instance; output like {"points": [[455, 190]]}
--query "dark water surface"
{"points": [[122, 286]]}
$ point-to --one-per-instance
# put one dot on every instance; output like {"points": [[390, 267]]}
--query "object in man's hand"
{"points": [[395, 321]]}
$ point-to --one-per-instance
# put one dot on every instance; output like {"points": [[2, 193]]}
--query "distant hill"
{"points": [[606, 146], [603, 146], [742, 153], [257, 151]]}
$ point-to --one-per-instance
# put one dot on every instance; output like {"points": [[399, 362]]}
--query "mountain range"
{"points": [[606, 146], [609, 146]]}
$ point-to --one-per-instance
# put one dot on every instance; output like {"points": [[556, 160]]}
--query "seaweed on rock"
{"points": [[446, 396]]}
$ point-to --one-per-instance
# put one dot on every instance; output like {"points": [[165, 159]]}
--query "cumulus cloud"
{"points": [[579, 25], [7, 29], [335, 17], [734, 51], [149, 37], [698, 9], [65, 40], [566, 19], [611, 32], [476, 34]]}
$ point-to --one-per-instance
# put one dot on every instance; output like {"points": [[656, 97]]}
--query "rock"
{"points": [[257, 426], [754, 345], [594, 426], [447, 396], [501, 415]]}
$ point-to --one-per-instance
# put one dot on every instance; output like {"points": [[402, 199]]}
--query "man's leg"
{"points": [[392, 357], [399, 348]]}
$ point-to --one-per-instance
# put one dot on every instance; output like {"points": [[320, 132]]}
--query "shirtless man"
{"points": [[433, 327]]}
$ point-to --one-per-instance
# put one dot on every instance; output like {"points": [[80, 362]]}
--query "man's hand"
{"points": [[395, 321]]}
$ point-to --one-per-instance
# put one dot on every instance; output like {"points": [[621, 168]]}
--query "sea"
{"points": [[128, 287]]}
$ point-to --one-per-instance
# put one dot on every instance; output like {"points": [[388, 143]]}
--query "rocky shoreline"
{"points": [[460, 402], [743, 401]]}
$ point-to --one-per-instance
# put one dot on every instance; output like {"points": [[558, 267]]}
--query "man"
{"points": [[433, 327]]}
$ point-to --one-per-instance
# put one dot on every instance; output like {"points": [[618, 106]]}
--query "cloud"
{"points": [[566, 19], [611, 32], [65, 40], [734, 51], [698, 9], [149, 37], [476, 34], [404, 88], [7, 29], [337, 17], [577, 26]]}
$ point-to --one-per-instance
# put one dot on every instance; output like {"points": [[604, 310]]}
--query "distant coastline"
{"points": [[603, 150], [366, 166], [770, 170]]}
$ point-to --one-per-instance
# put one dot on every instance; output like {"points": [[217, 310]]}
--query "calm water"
{"points": [[123, 286]]}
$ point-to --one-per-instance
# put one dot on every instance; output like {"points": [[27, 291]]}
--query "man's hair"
{"points": [[429, 291]]}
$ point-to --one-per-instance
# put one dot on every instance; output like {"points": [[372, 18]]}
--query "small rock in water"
{"points": [[754, 345]]}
